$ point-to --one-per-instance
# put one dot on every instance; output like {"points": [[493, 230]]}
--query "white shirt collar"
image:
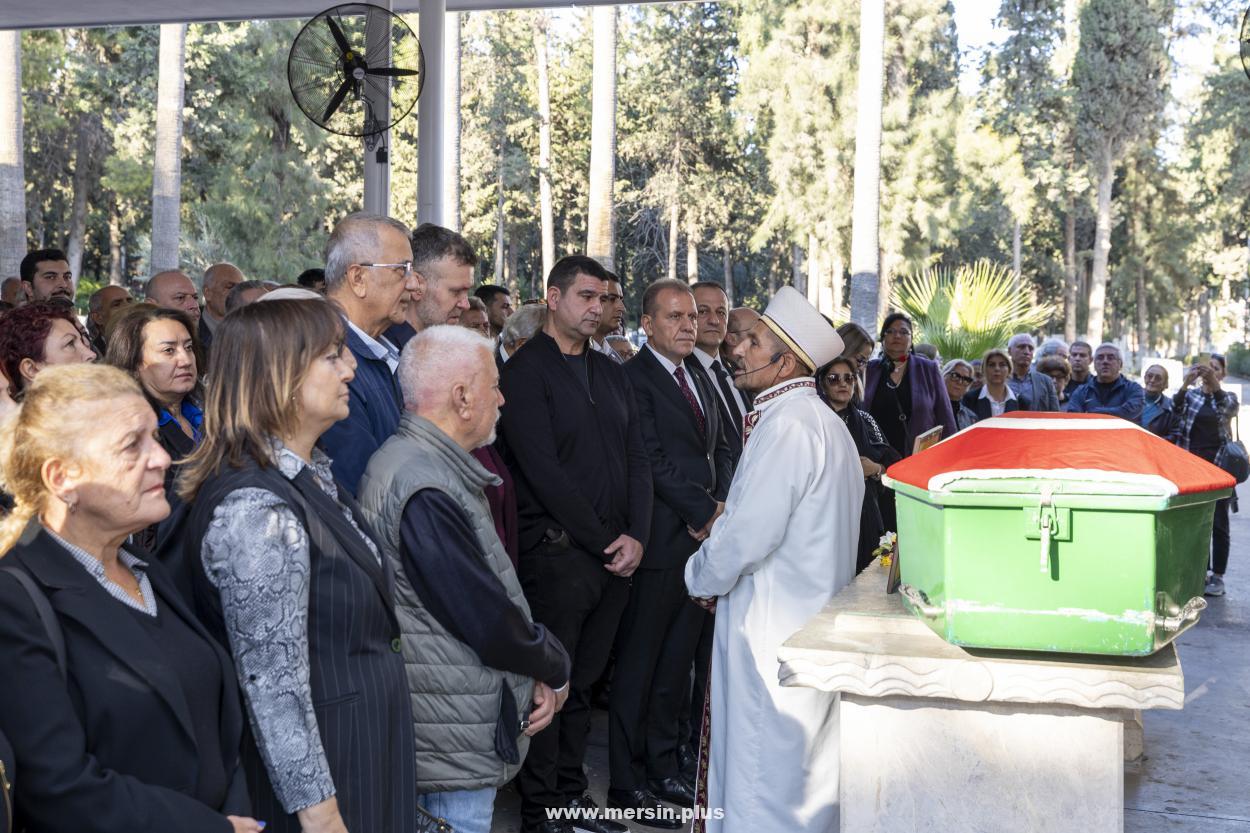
{"points": [[380, 347], [503, 352], [985, 393], [705, 359], [665, 363]]}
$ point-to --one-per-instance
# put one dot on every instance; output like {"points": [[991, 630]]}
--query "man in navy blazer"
{"points": [[369, 275]]}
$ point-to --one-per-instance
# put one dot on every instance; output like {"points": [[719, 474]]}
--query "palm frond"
{"points": [[967, 310]]}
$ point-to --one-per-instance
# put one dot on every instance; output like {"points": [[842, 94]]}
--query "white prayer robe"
{"points": [[785, 544]]}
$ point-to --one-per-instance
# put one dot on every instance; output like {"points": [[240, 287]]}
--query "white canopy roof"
{"points": [[57, 14]]}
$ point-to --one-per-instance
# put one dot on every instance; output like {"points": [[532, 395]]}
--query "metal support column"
{"points": [[430, 115]]}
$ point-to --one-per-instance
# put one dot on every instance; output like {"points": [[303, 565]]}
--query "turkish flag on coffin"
{"points": [[1076, 447]]}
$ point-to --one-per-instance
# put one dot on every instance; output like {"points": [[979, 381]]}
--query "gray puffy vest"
{"points": [[455, 699]]}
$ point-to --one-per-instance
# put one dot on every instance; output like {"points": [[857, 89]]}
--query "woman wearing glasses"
{"points": [[958, 376], [903, 391], [837, 382]]}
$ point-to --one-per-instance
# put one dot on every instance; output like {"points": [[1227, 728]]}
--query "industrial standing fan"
{"points": [[349, 60]]}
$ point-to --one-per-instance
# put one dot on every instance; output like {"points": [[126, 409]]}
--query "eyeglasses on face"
{"points": [[405, 266], [898, 332], [844, 378], [959, 377]]}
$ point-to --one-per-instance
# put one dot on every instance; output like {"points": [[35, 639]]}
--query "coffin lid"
{"points": [[1092, 453]]}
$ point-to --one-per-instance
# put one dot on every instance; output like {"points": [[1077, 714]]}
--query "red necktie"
{"points": [[680, 373]]}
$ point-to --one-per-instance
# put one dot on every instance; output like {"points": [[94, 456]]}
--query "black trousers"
{"points": [[577, 600], [654, 652], [1220, 538], [693, 724]]}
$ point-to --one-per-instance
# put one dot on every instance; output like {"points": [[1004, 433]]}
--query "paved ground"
{"points": [[1195, 773]]}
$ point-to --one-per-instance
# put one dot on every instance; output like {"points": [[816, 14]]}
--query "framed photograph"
{"points": [[928, 439]]}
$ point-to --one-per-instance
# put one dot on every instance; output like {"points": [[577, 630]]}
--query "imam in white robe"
{"points": [[785, 544]]}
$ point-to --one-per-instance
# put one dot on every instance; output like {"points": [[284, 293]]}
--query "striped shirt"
{"points": [[94, 566]]}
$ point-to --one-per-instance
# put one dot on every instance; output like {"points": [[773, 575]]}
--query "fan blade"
{"points": [[333, 106], [338, 35], [393, 72]]}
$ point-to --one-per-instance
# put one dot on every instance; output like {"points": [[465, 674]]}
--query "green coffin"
{"points": [[1114, 574], [1056, 532]]}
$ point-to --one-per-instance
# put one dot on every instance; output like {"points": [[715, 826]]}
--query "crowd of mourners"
{"points": [[354, 553]]}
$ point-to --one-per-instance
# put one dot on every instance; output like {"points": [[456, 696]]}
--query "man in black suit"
{"points": [[690, 469]]}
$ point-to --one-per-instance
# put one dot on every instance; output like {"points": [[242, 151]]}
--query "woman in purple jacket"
{"points": [[905, 394], [903, 391]]}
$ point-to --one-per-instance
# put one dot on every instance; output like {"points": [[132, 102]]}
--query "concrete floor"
{"points": [[1195, 772]]}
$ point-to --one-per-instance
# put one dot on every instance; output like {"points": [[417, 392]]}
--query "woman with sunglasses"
{"points": [[838, 386], [958, 376]]}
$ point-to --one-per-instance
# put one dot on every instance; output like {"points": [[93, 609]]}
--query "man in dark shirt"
{"points": [[1109, 392], [1081, 357], [574, 445], [480, 659]]}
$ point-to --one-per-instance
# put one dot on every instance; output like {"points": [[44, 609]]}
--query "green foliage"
{"points": [[1238, 356], [967, 310]]}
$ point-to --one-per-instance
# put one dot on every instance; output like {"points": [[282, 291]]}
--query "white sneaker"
{"points": [[1215, 586]]}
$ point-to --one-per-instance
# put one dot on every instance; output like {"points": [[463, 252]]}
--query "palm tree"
{"points": [[167, 167], [600, 236], [966, 311], [12, 169], [865, 212]]}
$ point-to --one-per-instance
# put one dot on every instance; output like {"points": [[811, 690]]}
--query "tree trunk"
{"points": [[12, 167], [1069, 272], [674, 227], [1204, 320], [727, 265], [889, 262], [117, 269], [692, 257], [167, 167], [601, 234], [1016, 256], [835, 278], [544, 145], [84, 180], [451, 119], [514, 258], [865, 212], [1102, 250], [796, 268], [499, 220]]}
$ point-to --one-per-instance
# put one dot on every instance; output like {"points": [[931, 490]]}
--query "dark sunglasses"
{"points": [[959, 377], [844, 378]]}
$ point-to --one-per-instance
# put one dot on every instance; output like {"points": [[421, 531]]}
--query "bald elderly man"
{"points": [[103, 303], [219, 279], [174, 290]]}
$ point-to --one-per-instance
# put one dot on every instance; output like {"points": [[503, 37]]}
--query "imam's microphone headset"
{"points": [[775, 358]]}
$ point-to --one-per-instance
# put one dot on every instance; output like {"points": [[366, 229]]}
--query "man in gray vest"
{"points": [[483, 676]]}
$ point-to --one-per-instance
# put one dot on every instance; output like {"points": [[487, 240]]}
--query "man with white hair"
{"points": [[1053, 346], [483, 676], [520, 327], [369, 275], [1109, 392], [1034, 391]]}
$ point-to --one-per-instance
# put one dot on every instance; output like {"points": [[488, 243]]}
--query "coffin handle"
{"points": [[919, 603], [1188, 613]]}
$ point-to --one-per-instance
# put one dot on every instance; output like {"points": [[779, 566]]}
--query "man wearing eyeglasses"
{"points": [[369, 275]]}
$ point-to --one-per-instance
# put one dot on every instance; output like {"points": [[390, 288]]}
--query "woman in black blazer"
{"points": [[135, 724], [994, 397], [160, 348]]}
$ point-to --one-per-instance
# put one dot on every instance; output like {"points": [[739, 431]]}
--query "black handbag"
{"points": [[1233, 459]]}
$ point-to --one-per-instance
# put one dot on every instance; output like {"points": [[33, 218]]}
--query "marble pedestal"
{"points": [[937, 738]]}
